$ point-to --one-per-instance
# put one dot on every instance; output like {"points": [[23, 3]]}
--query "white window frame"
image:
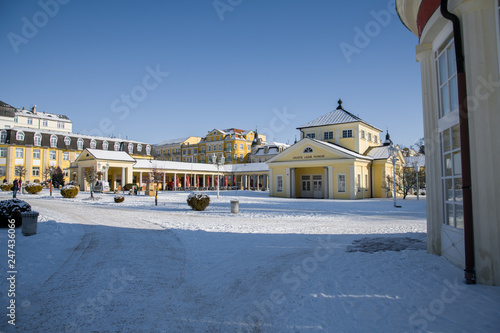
{"points": [[130, 148], [369, 136], [105, 145], [79, 144], [3, 152], [19, 153], [29, 121], [67, 141], [37, 139], [3, 170], [328, 135], [279, 183], [116, 146], [339, 183], [35, 171], [52, 155], [65, 156], [362, 134], [148, 150], [347, 134], [311, 135], [3, 136], [20, 136], [93, 144], [45, 123], [139, 147], [60, 124], [53, 141], [36, 154]]}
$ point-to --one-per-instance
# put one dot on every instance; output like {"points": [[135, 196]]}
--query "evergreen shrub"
{"points": [[198, 200]]}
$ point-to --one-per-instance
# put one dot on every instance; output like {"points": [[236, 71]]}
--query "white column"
{"points": [[164, 180], [185, 180], [204, 180], [352, 180], [325, 182], [175, 181], [123, 178], [140, 180]]}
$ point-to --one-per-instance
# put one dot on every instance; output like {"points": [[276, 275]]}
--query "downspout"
{"points": [[470, 274]]}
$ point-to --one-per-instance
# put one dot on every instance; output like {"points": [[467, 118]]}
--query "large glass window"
{"points": [[328, 135], [447, 78], [19, 152], [3, 152], [452, 177], [52, 155]]}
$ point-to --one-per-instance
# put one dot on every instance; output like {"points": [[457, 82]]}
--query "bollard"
{"points": [[235, 206]]}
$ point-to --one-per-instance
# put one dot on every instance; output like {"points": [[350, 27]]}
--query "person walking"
{"points": [[15, 188]]}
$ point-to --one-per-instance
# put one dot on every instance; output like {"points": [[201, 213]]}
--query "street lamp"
{"points": [[393, 151], [417, 170], [221, 162]]}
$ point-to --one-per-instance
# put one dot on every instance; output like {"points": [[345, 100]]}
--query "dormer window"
{"points": [[93, 144], [117, 146], [20, 135], [79, 144], [148, 150], [67, 141], [139, 147], [53, 141], [105, 145], [130, 148], [37, 139]]}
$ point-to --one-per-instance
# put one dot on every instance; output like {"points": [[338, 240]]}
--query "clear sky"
{"points": [[158, 70]]}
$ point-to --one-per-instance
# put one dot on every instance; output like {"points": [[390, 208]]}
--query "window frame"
{"points": [[279, 183], [52, 155], [16, 153], [3, 136], [36, 154], [53, 141], [20, 136], [347, 134], [339, 183], [79, 144], [3, 149]]}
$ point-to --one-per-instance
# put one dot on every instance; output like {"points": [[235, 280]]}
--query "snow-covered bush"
{"points": [[6, 186], [69, 191], [12, 209], [119, 198], [198, 200], [33, 188]]}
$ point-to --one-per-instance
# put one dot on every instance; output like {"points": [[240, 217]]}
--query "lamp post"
{"points": [[393, 151], [417, 169], [219, 163]]}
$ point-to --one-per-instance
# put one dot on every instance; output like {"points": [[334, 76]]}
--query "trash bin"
{"points": [[29, 223], [235, 206]]}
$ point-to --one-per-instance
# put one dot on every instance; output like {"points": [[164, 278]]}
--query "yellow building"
{"points": [[340, 156], [234, 144], [33, 152], [179, 150]]}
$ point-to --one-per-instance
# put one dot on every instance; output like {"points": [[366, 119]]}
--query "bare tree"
{"points": [[406, 180], [90, 174]]}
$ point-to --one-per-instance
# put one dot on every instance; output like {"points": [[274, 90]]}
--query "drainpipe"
{"points": [[470, 274]]}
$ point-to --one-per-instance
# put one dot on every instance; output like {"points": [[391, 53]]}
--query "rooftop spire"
{"points": [[340, 105]]}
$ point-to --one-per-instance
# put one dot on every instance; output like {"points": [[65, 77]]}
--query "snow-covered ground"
{"points": [[281, 265]]}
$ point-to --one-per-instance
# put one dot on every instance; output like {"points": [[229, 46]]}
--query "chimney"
{"points": [[34, 110]]}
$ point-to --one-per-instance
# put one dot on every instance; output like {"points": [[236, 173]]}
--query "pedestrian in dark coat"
{"points": [[15, 188]]}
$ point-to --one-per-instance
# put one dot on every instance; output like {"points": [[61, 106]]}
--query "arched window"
{"points": [[67, 141], [37, 139], [79, 144], [105, 145], [117, 146], [3, 136], [308, 150], [139, 147], [131, 148], [148, 150], [93, 144], [53, 141], [20, 135]]}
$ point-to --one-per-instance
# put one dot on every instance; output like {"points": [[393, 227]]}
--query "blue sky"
{"points": [[157, 70]]}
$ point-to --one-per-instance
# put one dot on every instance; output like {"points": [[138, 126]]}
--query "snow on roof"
{"points": [[172, 165], [378, 153], [110, 155], [74, 135], [412, 160], [43, 115], [172, 141]]}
